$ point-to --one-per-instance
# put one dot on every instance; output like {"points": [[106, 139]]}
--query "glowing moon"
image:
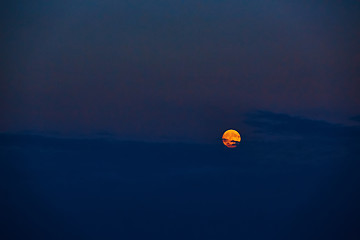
{"points": [[231, 138]]}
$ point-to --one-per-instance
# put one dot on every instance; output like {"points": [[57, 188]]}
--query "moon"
{"points": [[231, 138]]}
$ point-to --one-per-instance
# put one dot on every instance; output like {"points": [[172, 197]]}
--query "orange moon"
{"points": [[231, 138]]}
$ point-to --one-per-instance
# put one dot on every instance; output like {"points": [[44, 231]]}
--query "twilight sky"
{"points": [[109, 108], [175, 70]]}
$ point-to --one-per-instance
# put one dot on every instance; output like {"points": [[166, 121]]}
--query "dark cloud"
{"points": [[279, 124], [355, 118], [91, 188]]}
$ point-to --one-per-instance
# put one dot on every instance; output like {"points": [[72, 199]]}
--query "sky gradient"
{"points": [[112, 115], [175, 71]]}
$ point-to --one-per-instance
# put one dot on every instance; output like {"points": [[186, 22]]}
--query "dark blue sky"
{"points": [[175, 70], [112, 112], [303, 185]]}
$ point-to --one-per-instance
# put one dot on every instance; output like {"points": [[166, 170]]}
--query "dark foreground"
{"points": [[102, 189]]}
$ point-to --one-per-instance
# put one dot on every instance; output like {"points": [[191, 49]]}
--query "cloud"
{"points": [[279, 124], [355, 118], [294, 184]]}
